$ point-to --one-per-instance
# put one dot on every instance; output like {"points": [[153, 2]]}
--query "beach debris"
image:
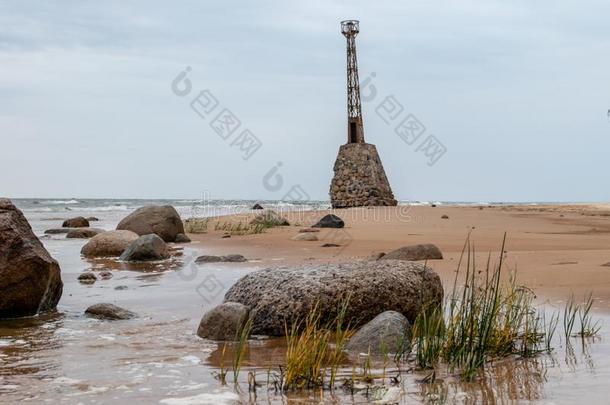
{"points": [[162, 220], [426, 251], [307, 236], [223, 322], [329, 221], [109, 311], [327, 245], [182, 238], [83, 233], [257, 206], [388, 332], [108, 244], [30, 279], [274, 295], [146, 248], [270, 218], [232, 258], [87, 278], [445, 217], [78, 222]]}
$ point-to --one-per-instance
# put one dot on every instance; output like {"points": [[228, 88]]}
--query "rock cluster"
{"points": [[108, 244], [359, 178], [30, 279]]}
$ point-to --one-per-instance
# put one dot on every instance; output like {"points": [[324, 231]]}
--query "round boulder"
{"points": [[288, 294], [30, 279], [162, 220], [83, 233], [223, 322], [414, 252], [108, 244], [78, 222], [329, 221], [147, 247], [388, 332]]}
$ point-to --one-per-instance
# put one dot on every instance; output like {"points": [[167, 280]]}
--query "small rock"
{"points": [[226, 235], [415, 252], [606, 264], [310, 237], [257, 206], [78, 222], [330, 245], [233, 258], [445, 217], [329, 221], [182, 238], [270, 218], [56, 231], [87, 278], [223, 322], [145, 248], [433, 205], [305, 230], [387, 332], [109, 311], [105, 275], [92, 219], [121, 287], [377, 256], [83, 233]]}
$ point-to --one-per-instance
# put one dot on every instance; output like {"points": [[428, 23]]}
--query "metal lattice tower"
{"points": [[355, 130]]}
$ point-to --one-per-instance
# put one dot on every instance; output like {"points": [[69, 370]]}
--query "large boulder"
{"points": [[223, 322], [147, 247], [108, 244], [78, 222], [30, 279], [288, 294], [414, 252], [162, 220], [270, 218], [388, 332], [83, 233], [329, 221]]}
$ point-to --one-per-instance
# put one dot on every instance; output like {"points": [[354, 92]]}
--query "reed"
{"points": [[241, 346], [196, 225]]}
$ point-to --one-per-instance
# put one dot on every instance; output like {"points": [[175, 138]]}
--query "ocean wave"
{"points": [[58, 202]]}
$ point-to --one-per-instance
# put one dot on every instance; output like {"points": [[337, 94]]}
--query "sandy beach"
{"points": [[557, 250]]}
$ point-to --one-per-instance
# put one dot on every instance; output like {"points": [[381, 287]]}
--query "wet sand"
{"points": [[557, 250]]}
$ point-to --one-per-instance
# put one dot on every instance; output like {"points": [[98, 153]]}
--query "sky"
{"points": [[511, 98]]}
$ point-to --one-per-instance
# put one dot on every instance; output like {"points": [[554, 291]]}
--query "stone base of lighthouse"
{"points": [[359, 178]]}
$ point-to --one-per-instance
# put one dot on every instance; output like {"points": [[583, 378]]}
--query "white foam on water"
{"points": [[108, 337], [216, 398], [191, 359]]}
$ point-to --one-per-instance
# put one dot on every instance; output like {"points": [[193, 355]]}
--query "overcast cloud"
{"points": [[516, 91]]}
